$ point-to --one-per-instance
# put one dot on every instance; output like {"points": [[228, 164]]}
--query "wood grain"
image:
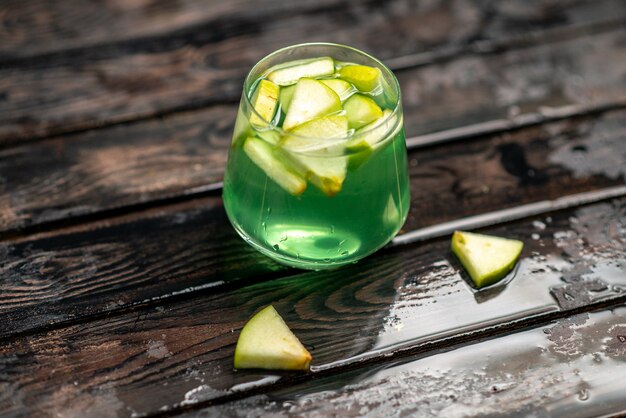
{"points": [[100, 170], [570, 367], [538, 79], [180, 354], [119, 83], [37, 27], [107, 265]]}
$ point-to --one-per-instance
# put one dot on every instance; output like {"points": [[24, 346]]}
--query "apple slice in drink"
{"points": [[486, 258], [262, 154], [286, 94], [311, 99], [242, 128], [314, 151], [266, 342], [370, 137], [363, 77], [361, 110], [292, 71], [264, 101], [341, 87], [391, 215], [316, 135]]}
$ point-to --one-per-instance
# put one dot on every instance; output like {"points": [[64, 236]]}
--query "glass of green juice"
{"points": [[317, 171]]}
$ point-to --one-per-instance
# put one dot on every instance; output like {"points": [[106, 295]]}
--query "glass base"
{"points": [[324, 250]]}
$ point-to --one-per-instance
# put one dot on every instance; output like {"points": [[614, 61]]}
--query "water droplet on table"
{"points": [[583, 394]]}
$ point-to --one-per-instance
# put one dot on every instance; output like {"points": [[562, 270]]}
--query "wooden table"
{"points": [[123, 287]]}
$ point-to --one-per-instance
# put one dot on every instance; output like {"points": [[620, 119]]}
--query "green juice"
{"points": [[314, 230], [324, 201]]}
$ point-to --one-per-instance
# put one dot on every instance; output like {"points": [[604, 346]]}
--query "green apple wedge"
{"points": [[266, 342], [363, 77], [314, 151], [486, 258], [286, 94], [264, 101], [311, 99], [341, 87], [242, 128], [262, 154], [289, 73], [370, 137], [361, 110], [391, 215]]}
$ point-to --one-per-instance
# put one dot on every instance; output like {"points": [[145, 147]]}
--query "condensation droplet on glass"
{"points": [[344, 252], [535, 236], [264, 225], [276, 247], [269, 211], [283, 238], [332, 229], [327, 260]]}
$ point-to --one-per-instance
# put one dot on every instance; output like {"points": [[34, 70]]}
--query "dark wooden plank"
{"points": [[67, 275], [97, 268], [538, 79], [36, 27], [104, 85], [176, 354], [570, 368], [110, 168]]}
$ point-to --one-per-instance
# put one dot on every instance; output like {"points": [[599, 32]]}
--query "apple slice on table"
{"points": [[266, 342], [486, 258]]}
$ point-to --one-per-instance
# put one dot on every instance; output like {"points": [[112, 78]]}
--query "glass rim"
{"points": [[270, 127]]}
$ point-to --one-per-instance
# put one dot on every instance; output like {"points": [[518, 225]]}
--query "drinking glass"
{"points": [[313, 224]]}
